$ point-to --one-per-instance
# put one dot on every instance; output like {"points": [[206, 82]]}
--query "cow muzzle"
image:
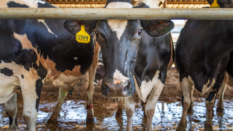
{"points": [[116, 88]]}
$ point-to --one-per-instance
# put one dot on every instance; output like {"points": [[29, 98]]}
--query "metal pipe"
{"points": [[131, 14]]}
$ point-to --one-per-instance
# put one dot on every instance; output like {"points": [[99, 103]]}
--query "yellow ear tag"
{"points": [[214, 4], [82, 36]]}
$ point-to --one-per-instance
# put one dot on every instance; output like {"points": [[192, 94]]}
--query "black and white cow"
{"points": [[132, 58], [41, 52], [202, 55]]}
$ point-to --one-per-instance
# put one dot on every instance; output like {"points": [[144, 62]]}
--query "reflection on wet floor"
{"points": [[167, 117]]}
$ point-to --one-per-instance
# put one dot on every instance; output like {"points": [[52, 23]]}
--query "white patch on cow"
{"points": [[205, 87], [154, 96], [150, 3], [186, 87], [75, 58], [118, 76], [119, 5], [49, 30], [146, 87], [118, 26], [39, 1], [8, 86], [65, 81], [26, 44]]}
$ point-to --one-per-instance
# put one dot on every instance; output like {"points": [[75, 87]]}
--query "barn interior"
{"points": [[168, 110]]}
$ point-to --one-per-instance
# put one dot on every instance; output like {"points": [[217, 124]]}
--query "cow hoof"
{"points": [[181, 127], [90, 119], [13, 129], [208, 128], [220, 110], [118, 113]]}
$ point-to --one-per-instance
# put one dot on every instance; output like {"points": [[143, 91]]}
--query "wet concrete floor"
{"points": [[166, 117]]}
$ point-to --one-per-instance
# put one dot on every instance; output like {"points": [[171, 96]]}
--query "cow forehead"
{"points": [[118, 26], [119, 5], [150, 3]]}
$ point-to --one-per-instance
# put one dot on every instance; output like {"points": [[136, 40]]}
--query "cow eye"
{"points": [[137, 35], [140, 32]]}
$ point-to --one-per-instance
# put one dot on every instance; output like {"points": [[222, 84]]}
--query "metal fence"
{"points": [[130, 14]]}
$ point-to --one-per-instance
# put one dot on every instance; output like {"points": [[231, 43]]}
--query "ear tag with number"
{"points": [[214, 4], [82, 36]]}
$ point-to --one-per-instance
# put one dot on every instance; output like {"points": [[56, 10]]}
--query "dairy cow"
{"points": [[202, 56], [41, 52], [133, 60]]}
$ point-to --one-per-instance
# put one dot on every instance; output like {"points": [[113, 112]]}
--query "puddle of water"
{"points": [[166, 117]]}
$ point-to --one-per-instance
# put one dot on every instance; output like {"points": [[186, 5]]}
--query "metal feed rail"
{"points": [[130, 14]]}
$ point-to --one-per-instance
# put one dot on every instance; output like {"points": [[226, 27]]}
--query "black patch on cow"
{"points": [[154, 55], [42, 72], [196, 55], [45, 5], [10, 119], [211, 96], [39, 85], [60, 47], [230, 65], [141, 5], [14, 4], [28, 59], [22, 76], [6, 71]]}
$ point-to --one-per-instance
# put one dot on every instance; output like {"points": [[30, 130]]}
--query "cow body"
{"points": [[40, 52], [133, 59], [202, 55], [120, 42]]}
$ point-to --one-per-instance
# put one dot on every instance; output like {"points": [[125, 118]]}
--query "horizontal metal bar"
{"points": [[131, 14]]}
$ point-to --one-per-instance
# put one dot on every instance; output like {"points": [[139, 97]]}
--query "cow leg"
{"points": [[220, 107], [11, 111], [129, 108], [31, 90], [190, 110], [62, 95], [210, 100], [144, 108], [151, 103], [90, 111], [90, 90], [186, 88], [120, 107]]}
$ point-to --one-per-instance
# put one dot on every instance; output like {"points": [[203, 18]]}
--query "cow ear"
{"points": [[157, 28], [74, 26]]}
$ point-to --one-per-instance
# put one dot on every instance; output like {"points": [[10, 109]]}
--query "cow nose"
{"points": [[117, 88]]}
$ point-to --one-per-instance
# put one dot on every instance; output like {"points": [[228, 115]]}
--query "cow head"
{"points": [[222, 3], [119, 41]]}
